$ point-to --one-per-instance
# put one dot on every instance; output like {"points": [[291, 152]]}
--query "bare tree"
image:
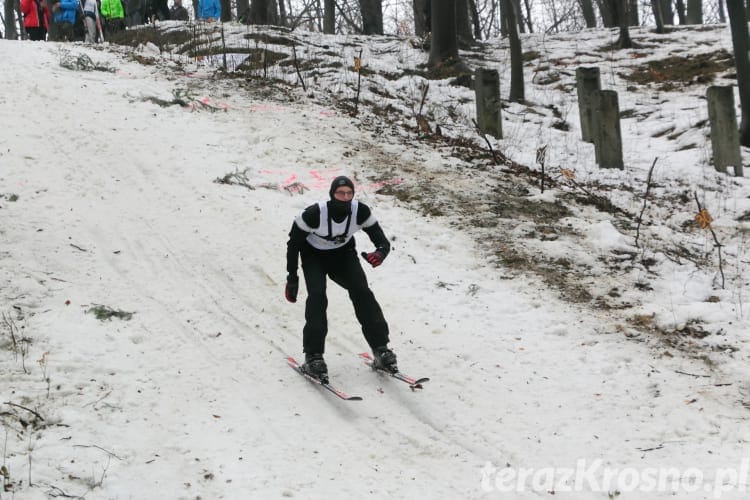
{"points": [[633, 13], [589, 16], [10, 20], [226, 11], [621, 11], [421, 9], [282, 13], [444, 59], [680, 5], [517, 91], [738, 25], [329, 16], [372, 16], [264, 12], [463, 24], [694, 12], [475, 19], [243, 11], [656, 5], [608, 11]]}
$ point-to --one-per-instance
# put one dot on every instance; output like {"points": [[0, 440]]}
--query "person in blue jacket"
{"points": [[209, 10], [63, 19]]}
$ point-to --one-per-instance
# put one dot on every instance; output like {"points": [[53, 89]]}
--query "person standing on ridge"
{"points": [[35, 19], [323, 235]]}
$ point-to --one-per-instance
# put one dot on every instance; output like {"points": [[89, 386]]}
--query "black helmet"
{"points": [[339, 181]]}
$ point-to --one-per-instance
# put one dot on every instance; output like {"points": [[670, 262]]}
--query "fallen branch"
{"points": [[37, 415], [296, 67], [489, 145], [645, 201], [692, 374], [98, 448]]}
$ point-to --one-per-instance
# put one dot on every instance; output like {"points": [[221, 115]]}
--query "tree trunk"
{"points": [[282, 13], [421, 17], [444, 60], [243, 11], [264, 12], [516, 54], [527, 17], [329, 16], [372, 16], [622, 17], [518, 15], [658, 16], [694, 12], [475, 19], [10, 20], [738, 25], [463, 26], [667, 12], [633, 13], [608, 13], [226, 11], [680, 4], [587, 7]]}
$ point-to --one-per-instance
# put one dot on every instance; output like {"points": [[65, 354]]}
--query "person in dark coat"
{"points": [[178, 12], [323, 235], [134, 11]]}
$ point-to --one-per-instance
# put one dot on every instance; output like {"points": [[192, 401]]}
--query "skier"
{"points": [[323, 234]]}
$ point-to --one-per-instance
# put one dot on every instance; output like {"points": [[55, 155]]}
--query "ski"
{"points": [[413, 383], [326, 385]]}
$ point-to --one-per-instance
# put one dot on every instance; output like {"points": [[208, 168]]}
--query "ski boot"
{"points": [[316, 367], [384, 359]]}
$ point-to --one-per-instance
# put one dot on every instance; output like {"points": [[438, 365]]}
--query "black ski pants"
{"points": [[344, 269]]}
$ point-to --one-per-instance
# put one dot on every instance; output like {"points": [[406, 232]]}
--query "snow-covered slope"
{"points": [[109, 201]]}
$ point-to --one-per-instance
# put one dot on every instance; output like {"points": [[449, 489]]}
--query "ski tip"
{"points": [[354, 398]]}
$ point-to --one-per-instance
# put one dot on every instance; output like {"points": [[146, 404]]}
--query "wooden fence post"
{"points": [[487, 89], [725, 137], [587, 83], [608, 143]]}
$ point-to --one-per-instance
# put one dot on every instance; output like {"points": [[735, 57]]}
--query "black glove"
{"points": [[292, 287], [374, 258]]}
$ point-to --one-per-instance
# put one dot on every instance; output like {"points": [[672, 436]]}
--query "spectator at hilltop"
{"points": [[134, 10], [35, 19], [178, 12], [63, 18], [91, 20], [114, 16], [157, 9], [209, 10]]}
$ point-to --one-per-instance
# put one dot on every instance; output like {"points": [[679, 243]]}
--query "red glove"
{"points": [[292, 286], [374, 258]]}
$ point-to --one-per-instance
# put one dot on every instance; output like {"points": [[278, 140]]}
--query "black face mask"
{"points": [[339, 209]]}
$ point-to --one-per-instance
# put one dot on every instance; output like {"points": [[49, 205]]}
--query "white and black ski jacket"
{"points": [[316, 229]]}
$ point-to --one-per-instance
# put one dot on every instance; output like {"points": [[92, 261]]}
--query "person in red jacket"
{"points": [[35, 18]]}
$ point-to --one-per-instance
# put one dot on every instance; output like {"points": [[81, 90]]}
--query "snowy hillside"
{"points": [[145, 201]]}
